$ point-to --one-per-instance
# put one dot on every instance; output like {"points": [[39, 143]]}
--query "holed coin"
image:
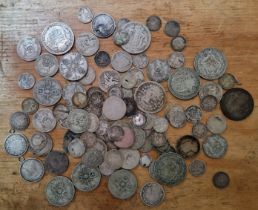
{"points": [[87, 44], [153, 23], [56, 162], [32, 170], [188, 146], [85, 15], [19, 121], [158, 70], [221, 179], [16, 144], [216, 124], [103, 25], [43, 120], [172, 28], [29, 105], [26, 81], [197, 167], [46, 65]]}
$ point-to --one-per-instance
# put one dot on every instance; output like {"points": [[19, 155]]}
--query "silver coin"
{"points": [[211, 88], [210, 63], [76, 148], [115, 133], [208, 103], [153, 23], [193, 114], [59, 191], [26, 81], [197, 167], [172, 28], [99, 145], [108, 79], [87, 44], [46, 65], [16, 144], [78, 121], [176, 60], [28, 48], [89, 78], [152, 194], [115, 90], [85, 15], [120, 37], [147, 147], [103, 127], [103, 25], [47, 91], [94, 122], [150, 97], [215, 146], [216, 124], [114, 108], [56, 162], [88, 138], [19, 121], [184, 83], [139, 119], [131, 158], [127, 93], [29, 105], [178, 43], [176, 116], [57, 38], [61, 113], [158, 70], [121, 22], [121, 61], [40, 144], [128, 80], [92, 158], [139, 138], [148, 125], [139, 76], [80, 100], [199, 130], [158, 139], [68, 137], [105, 169], [228, 81], [69, 90], [160, 125], [32, 170], [43, 120], [140, 61], [140, 38], [145, 160], [114, 158]]}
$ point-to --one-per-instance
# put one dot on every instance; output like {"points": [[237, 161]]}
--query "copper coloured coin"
{"points": [[188, 146]]}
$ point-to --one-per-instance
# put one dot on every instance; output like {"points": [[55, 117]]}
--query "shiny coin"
{"points": [[28, 48], [88, 138], [160, 125], [47, 91], [76, 148], [103, 25], [102, 59], [121, 37], [139, 119], [188, 146], [68, 137], [43, 120], [46, 65], [131, 158], [176, 60], [115, 133], [158, 139], [122, 184], [59, 191], [216, 124], [227, 81], [92, 158], [29, 105], [153, 23], [211, 88], [40, 144], [128, 80], [69, 90], [158, 70], [19, 121], [140, 61], [115, 90], [78, 121], [89, 78], [215, 146], [114, 108], [87, 44], [127, 140], [210, 63], [193, 113], [176, 116], [172, 28], [16, 144], [108, 79], [145, 160], [199, 130], [121, 61], [61, 113], [237, 104], [114, 158], [197, 167], [178, 43], [208, 103], [57, 38], [26, 81], [139, 139], [80, 99], [221, 180], [32, 170], [85, 15], [56, 162]]}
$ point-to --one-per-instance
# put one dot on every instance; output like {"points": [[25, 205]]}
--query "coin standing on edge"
{"points": [[32, 170], [16, 144]]}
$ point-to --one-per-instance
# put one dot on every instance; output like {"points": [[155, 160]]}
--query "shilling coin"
{"points": [[184, 83], [114, 158], [158, 139], [139, 139], [215, 146], [16, 144], [89, 78], [216, 124], [131, 158], [69, 90], [127, 140], [208, 103], [108, 79], [80, 99], [92, 158], [178, 43], [176, 60], [176, 116], [85, 15], [46, 65], [32, 170], [188, 146], [211, 88], [172, 28], [153, 23], [19, 121], [237, 104], [197, 167], [145, 160], [121, 61], [227, 81], [88, 138], [139, 119], [160, 125], [59, 191], [140, 61], [114, 108], [28, 48], [193, 113], [140, 38], [40, 143], [103, 25], [85, 179], [120, 37], [221, 180], [87, 44], [78, 121], [115, 90], [29, 105], [158, 70], [76, 148], [128, 80], [57, 38], [122, 184], [43, 120], [68, 137], [56, 162], [152, 194], [199, 130], [102, 59], [210, 63], [47, 91], [61, 113], [26, 81], [115, 133], [150, 97]]}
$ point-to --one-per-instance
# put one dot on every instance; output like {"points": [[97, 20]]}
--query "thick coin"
{"points": [[176, 116], [114, 108], [26, 81], [197, 167], [92, 158], [80, 99], [103, 25], [139, 119], [89, 78], [32, 170], [216, 124], [108, 79], [188, 146], [115, 90], [153, 23], [61, 113], [121, 61], [178, 43], [160, 125], [43, 120], [40, 144], [56, 162], [140, 61], [193, 114], [85, 15], [208, 103], [199, 130], [68, 137], [76, 148], [29, 105], [176, 60], [158, 70], [19, 121], [227, 81], [16, 144], [221, 179], [57, 38], [172, 28], [46, 65], [87, 44], [131, 158], [78, 121], [211, 88]]}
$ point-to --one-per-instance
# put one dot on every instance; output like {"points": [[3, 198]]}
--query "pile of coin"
{"points": [[113, 127]]}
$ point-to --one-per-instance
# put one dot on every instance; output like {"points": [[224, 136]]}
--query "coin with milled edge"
{"points": [[176, 60], [103, 25], [193, 113], [16, 144], [89, 78], [178, 43], [56, 162], [46, 65], [26, 81], [197, 167], [131, 158], [188, 146], [29, 105], [199, 130], [121, 61], [40, 144], [43, 120], [28, 48], [32, 170], [227, 81], [172, 28], [216, 124], [176, 116], [108, 79], [85, 15], [208, 103], [76, 148], [69, 90], [211, 88], [221, 180], [87, 44], [61, 113], [153, 23], [19, 121], [78, 120], [158, 70]]}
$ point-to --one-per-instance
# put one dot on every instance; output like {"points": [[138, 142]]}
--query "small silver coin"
{"points": [[158, 139], [28, 48], [152, 194], [193, 114], [215, 146], [108, 79], [120, 37], [115, 90], [88, 138], [131, 158], [85, 15], [32, 170], [40, 144], [114, 159], [102, 59], [153, 23], [57, 38], [78, 121], [61, 113], [139, 138], [197, 167], [140, 61], [115, 133], [127, 93], [158, 70], [160, 125], [46, 65], [16, 144], [176, 60], [128, 80], [19, 121], [178, 43], [76, 148], [216, 124], [121, 61], [176, 116], [59, 191], [47, 91], [29, 105], [26, 81], [211, 88], [114, 108], [92, 158], [80, 100], [43, 120], [227, 81], [56, 162], [103, 25], [208, 103], [145, 160], [90, 77], [103, 127], [199, 130], [87, 44], [172, 28], [139, 119]]}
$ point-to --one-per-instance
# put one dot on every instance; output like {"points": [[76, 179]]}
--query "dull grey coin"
{"points": [[92, 158], [80, 100], [57, 38], [19, 121], [94, 122], [127, 93], [78, 121], [43, 120], [87, 44], [68, 137], [16, 144], [128, 138], [96, 99], [89, 78], [29, 105], [40, 144], [176, 60], [153, 23], [88, 138], [46, 65], [128, 80], [85, 15], [158, 139], [215, 146], [211, 88], [76, 148], [145, 160], [131, 158], [178, 43], [149, 123], [158, 70], [227, 81], [139, 138], [139, 119], [114, 108], [121, 22], [69, 90], [121, 61], [99, 145], [172, 28], [216, 124], [120, 37], [197, 167], [188, 146], [176, 116], [160, 125], [102, 59], [103, 25], [199, 130], [56, 162], [210, 63], [108, 79], [61, 113], [140, 61], [208, 103], [114, 158], [103, 127], [26, 81], [32, 170], [115, 133], [47, 91], [105, 169], [221, 179], [148, 146], [193, 114], [59, 191], [115, 90]]}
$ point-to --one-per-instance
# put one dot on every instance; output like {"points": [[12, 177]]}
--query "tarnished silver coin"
{"points": [[152, 194], [115, 90], [160, 125], [59, 191], [210, 63], [121, 22], [121, 61], [92, 158], [76, 148], [188, 146], [43, 120], [228, 81], [150, 118], [128, 80], [19, 121], [147, 147], [215, 146], [103, 127], [99, 145], [40, 143], [80, 100], [199, 130], [208, 103], [26, 81], [85, 15], [46, 65], [139, 75], [32, 170], [88, 138], [139, 119], [127, 93], [114, 108], [96, 99], [102, 59], [139, 139], [153, 23], [28, 48], [61, 113], [68, 137], [140, 61], [158, 139], [193, 114], [57, 38], [103, 25], [158, 70], [114, 159], [47, 91], [197, 167], [139, 38], [178, 43], [120, 37], [56, 162], [145, 160], [16, 144], [184, 83], [150, 97], [87, 44], [131, 158], [176, 60], [211, 88], [89, 78], [29, 105], [108, 79], [78, 121], [115, 133], [221, 179], [172, 28], [216, 124], [176, 116]]}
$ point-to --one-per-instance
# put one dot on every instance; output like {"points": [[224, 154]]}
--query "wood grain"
{"points": [[227, 24]]}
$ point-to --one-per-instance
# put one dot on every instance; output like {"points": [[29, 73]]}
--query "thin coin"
{"points": [[216, 124], [85, 15], [78, 121], [87, 44], [211, 88], [158, 70], [26, 81], [208, 103], [46, 65], [32, 170], [176, 60], [29, 105], [172, 28], [131, 158], [227, 81], [40, 144], [188, 146], [103, 25], [16, 144], [121, 61], [140, 60], [69, 90], [89, 78], [193, 114], [199, 130], [153, 23], [221, 179], [43, 120], [76, 148], [56, 162], [19, 121], [114, 108], [80, 100], [176, 116], [197, 167]]}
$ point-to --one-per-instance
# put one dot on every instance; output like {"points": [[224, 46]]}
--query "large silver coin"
{"points": [[78, 120], [87, 44], [16, 144], [121, 61], [85, 15], [46, 65], [211, 88], [69, 90], [210, 63], [40, 144], [139, 38], [184, 83], [32, 170], [47, 91], [43, 120], [19, 121], [103, 25], [59, 191], [150, 97], [158, 70], [108, 79], [26, 81], [57, 38]]}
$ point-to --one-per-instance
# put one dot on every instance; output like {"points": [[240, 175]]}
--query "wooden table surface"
{"points": [[226, 24]]}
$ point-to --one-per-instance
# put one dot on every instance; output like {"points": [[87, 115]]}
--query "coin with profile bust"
{"points": [[103, 25]]}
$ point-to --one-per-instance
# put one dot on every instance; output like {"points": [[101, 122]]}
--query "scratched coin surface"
{"points": [[89, 78], [121, 61], [19, 121], [40, 143], [29, 105], [199, 130], [103, 25], [211, 88], [176, 60], [57, 38], [32, 170], [16, 144], [216, 124], [188, 146], [158, 70], [87, 44], [197, 167], [108, 79], [78, 120], [176, 115], [43, 120], [193, 114], [56, 162], [26, 81], [85, 15], [46, 65]]}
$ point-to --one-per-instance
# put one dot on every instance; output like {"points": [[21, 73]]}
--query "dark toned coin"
{"points": [[188, 146], [56, 162], [178, 43], [68, 137], [208, 103], [131, 106], [221, 179], [153, 23], [102, 59], [97, 99], [237, 104], [172, 28], [19, 121]]}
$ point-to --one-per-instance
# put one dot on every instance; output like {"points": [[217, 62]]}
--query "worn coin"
{"points": [[120, 37], [193, 113], [139, 119], [208, 103], [128, 80], [46, 65], [178, 43], [145, 160], [108, 79], [103, 127], [115, 133], [227, 81], [88, 138], [76, 148], [114, 108], [85, 15], [148, 146], [97, 99], [216, 124], [26, 81], [115, 90], [188, 146], [87, 44], [127, 93], [139, 139], [99, 145], [92, 158], [127, 140], [165, 148], [140, 61], [211, 88], [105, 169], [103, 25], [61, 113], [197, 167], [199, 130], [78, 121], [40, 144], [121, 22], [149, 123], [172, 28], [56, 162], [131, 158], [29, 105], [121, 61], [158, 139], [176, 60], [114, 158], [68, 137], [19, 121], [160, 125], [102, 59], [16, 144], [89, 78], [221, 179], [153, 23], [80, 99], [94, 122], [69, 90], [43, 120], [32, 170], [176, 116], [158, 70]]}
